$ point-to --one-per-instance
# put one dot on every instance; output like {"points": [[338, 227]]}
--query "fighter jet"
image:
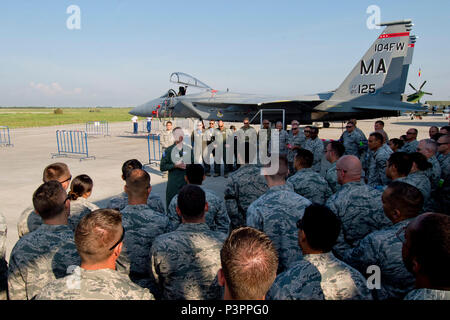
{"points": [[373, 89]]}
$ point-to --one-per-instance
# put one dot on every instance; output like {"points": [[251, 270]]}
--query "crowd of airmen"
{"points": [[374, 224]]}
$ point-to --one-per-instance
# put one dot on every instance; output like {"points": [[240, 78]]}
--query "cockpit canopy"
{"points": [[188, 80]]}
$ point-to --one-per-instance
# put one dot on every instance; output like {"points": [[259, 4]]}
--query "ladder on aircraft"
{"points": [[261, 113]]}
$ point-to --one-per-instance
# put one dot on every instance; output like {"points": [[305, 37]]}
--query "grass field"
{"points": [[40, 117]]}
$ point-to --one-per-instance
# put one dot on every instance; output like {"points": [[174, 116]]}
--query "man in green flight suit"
{"points": [[175, 162]]}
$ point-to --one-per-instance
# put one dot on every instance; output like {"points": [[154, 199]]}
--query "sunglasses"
{"points": [[441, 143], [120, 240], [349, 127], [68, 179]]}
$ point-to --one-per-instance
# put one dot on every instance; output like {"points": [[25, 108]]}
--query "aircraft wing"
{"points": [[403, 108], [255, 100]]}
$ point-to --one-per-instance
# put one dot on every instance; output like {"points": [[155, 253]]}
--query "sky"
{"points": [[125, 51]]}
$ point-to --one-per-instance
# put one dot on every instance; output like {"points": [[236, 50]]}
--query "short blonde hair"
{"points": [[96, 233], [249, 263], [55, 171]]}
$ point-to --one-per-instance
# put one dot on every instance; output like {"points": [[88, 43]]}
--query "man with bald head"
{"points": [[120, 201], [276, 213], [426, 254], [137, 213], [411, 142], [142, 225], [357, 205]]}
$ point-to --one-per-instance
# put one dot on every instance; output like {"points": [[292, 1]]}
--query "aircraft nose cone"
{"points": [[138, 111], [145, 110]]}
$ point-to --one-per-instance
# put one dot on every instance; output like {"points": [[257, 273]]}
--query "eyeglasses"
{"points": [[68, 179], [400, 234], [120, 240], [300, 224]]}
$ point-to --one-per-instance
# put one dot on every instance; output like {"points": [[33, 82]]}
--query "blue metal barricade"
{"points": [[72, 142], [5, 139], [154, 149], [97, 128]]}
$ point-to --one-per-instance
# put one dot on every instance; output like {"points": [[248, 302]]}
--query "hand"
{"points": [[180, 165]]}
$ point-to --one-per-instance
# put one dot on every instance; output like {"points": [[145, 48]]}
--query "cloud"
{"points": [[54, 89]]}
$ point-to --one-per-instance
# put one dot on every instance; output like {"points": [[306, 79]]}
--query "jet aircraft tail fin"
{"points": [[384, 67]]}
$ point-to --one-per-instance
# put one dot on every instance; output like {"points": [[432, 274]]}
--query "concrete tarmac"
{"points": [[21, 166]]}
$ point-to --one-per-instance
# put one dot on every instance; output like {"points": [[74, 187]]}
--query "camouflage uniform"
{"points": [[428, 294], [103, 284], [134, 260], [78, 209], [121, 201], [360, 210], [248, 134], [419, 180], [310, 185], [29, 221], [295, 141], [353, 142], [409, 147], [320, 276], [443, 192], [166, 140], [243, 187], [185, 262], [139, 215], [434, 173], [142, 225], [216, 218], [283, 138], [40, 257], [444, 163], [276, 213], [383, 248], [377, 166], [3, 263], [316, 147], [331, 178], [221, 142]]}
